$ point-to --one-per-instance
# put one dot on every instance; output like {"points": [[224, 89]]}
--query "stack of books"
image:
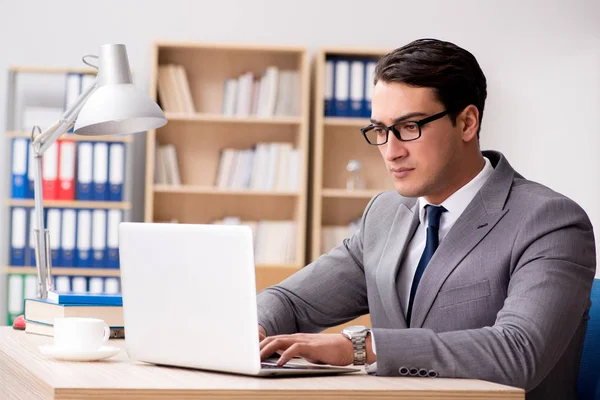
{"points": [[40, 314]]}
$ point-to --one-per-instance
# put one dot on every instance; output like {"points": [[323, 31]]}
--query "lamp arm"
{"points": [[67, 120], [39, 144]]}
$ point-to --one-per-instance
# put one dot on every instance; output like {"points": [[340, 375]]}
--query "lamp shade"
{"points": [[118, 109]]}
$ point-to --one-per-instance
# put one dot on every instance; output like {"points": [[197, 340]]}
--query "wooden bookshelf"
{"points": [[210, 190], [335, 141], [199, 136], [21, 92]]}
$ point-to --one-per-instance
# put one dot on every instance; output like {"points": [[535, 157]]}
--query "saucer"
{"points": [[50, 350]]}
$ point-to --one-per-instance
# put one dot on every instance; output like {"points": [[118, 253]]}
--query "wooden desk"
{"points": [[26, 374]]}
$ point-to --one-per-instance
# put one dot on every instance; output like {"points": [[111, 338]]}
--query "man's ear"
{"points": [[468, 121]]}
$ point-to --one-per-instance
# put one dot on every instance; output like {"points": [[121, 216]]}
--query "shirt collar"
{"points": [[459, 200]]}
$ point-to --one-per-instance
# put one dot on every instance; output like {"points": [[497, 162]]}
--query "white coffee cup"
{"points": [[80, 334]]}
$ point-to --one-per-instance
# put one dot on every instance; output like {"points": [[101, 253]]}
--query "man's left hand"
{"points": [[321, 348]]}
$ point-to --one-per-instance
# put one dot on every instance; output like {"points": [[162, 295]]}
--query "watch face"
{"points": [[355, 329]]}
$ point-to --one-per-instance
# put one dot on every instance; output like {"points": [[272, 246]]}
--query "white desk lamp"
{"points": [[111, 105]]}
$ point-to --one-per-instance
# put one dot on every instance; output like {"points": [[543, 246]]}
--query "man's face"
{"points": [[428, 165]]}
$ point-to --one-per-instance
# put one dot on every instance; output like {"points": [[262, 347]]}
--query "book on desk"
{"points": [[40, 314]]}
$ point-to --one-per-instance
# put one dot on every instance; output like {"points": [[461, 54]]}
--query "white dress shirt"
{"points": [[455, 205]]}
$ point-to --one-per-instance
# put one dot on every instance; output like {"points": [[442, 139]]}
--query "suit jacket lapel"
{"points": [[478, 219], [466, 233], [403, 227]]}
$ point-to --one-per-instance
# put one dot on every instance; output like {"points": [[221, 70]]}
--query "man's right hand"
{"points": [[261, 333]]}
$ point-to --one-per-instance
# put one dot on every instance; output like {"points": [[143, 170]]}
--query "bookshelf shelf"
{"points": [[349, 194], [214, 191], [64, 271], [173, 116], [120, 205], [346, 122], [50, 70], [112, 139]]}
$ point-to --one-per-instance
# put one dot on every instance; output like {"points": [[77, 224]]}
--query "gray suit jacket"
{"points": [[504, 298]]}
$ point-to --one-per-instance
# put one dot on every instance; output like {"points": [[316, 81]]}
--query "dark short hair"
{"points": [[450, 70]]}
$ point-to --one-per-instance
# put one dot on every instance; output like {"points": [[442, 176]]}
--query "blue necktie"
{"points": [[434, 213]]}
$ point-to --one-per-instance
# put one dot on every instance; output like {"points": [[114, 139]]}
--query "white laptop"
{"points": [[189, 299]]}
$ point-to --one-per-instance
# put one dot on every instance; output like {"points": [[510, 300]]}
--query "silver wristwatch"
{"points": [[358, 335]]}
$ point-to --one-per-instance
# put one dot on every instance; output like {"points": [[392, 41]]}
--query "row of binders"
{"points": [[78, 237], [267, 166], [332, 236], [21, 287], [348, 86], [275, 93], [274, 241], [92, 171]]}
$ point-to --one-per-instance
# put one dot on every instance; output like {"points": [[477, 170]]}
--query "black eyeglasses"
{"points": [[404, 131]]}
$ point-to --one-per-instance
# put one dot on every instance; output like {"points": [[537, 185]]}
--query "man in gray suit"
{"points": [[468, 270]]}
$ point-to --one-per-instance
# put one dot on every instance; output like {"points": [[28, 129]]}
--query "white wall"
{"points": [[541, 58]]}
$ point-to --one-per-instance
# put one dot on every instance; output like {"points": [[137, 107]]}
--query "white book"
{"points": [[247, 168], [256, 88], [230, 97], [283, 165], [226, 165], [244, 94], [188, 100], [271, 89], [293, 177], [171, 162], [258, 166], [271, 171]]}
